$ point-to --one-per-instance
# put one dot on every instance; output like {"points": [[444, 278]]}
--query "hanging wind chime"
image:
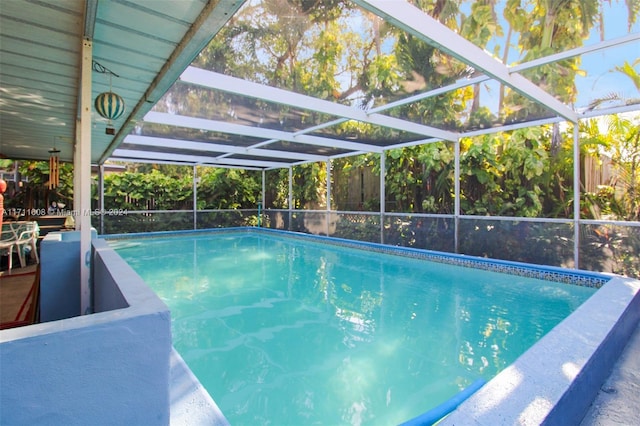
{"points": [[109, 105], [54, 166]]}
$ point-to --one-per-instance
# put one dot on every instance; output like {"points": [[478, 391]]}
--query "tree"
{"points": [[221, 188], [620, 199], [550, 26], [620, 142], [147, 191]]}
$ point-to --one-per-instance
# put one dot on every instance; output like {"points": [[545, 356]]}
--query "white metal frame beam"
{"points": [[578, 51], [219, 148], [194, 159], [257, 132], [413, 20], [177, 163], [482, 78], [213, 80]]}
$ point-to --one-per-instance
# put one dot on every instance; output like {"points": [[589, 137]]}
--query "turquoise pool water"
{"points": [[287, 332]]}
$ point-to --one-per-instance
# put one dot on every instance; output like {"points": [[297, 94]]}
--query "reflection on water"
{"points": [[284, 332]]}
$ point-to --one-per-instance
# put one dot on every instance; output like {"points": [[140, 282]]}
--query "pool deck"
{"points": [[16, 296], [618, 401]]}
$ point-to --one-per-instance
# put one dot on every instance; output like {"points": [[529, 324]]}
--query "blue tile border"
{"points": [[548, 273]]}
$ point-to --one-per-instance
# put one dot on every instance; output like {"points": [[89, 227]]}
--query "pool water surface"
{"points": [[288, 332]]}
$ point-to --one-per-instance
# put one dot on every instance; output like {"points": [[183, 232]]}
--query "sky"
{"points": [[600, 80]]}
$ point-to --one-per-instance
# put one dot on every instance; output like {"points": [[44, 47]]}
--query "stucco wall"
{"points": [[111, 367], [107, 295], [60, 285]]}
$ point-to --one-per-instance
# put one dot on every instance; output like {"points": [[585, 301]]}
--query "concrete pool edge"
{"points": [[112, 364], [557, 379], [190, 402]]}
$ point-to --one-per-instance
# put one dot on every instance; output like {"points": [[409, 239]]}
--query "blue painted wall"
{"points": [[111, 367], [60, 277]]}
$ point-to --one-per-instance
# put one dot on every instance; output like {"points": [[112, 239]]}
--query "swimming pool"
{"points": [[288, 331]]}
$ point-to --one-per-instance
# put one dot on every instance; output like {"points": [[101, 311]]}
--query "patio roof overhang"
{"points": [[151, 46], [146, 44]]}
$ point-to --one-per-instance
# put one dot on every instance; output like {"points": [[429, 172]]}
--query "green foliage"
{"points": [[514, 174], [479, 171], [35, 194], [360, 228], [551, 26], [309, 186], [277, 189], [229, 189], [148, 222], [539, 243], [481, 24], [621, 143], [420, 179], [610, 248], [528, 172], [218, 189], [147, 191]]}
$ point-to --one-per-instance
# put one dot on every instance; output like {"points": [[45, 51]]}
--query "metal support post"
{"points": [[263, 198], [101, 196], [383, 173], [290, 196], [328, 214], [195, 197], [576, 195], [456, 206]]}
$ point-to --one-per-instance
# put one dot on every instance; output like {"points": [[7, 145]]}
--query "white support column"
{"points": [[290, 196], [290, 201], [264, 192], [195, 197], [101, 196], [328, 214], [328, 164], [76, 177], [576, 195], [82, 157], [383, 174], [264, 188], [456, 206]]}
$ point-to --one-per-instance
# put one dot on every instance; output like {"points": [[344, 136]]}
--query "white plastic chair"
{"points": [[26, 235], [7, 243]]}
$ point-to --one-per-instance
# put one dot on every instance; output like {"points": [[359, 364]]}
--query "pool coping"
{"points": [[190, 402]]}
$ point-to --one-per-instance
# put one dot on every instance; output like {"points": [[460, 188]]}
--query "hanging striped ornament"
{"points": [[109, 105]]}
